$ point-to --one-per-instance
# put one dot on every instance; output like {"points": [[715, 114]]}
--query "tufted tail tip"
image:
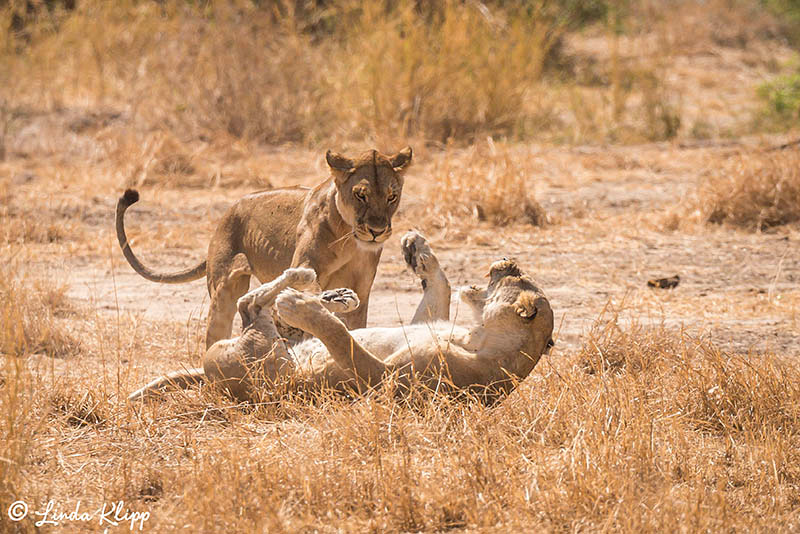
{"points": [[131, 196]]}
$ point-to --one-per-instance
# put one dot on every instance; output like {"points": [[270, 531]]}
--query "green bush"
{"points": [[782, 99], [788, 13]]}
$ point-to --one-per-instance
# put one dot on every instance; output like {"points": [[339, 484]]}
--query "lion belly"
{"points": [[381, 342], [269, 221]]}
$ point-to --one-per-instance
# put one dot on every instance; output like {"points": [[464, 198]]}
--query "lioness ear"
{"points": [[400, 160], [525, 306], [337, 162], [341, 167]]}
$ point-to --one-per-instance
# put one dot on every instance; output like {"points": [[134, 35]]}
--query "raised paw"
{"points": [[300, 277], [418, 254], [299, 310], [472, 294], [249, 305], [339, 300]]}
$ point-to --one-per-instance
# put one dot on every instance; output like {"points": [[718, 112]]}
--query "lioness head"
{"points": [[368, 192], [519, 308]]}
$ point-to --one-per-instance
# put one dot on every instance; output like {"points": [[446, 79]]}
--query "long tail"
{"points": [[130, 197], [174, 380]]}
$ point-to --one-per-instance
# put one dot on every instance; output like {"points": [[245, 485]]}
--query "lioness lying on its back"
{"points": [[337, 229], [514, 328]]}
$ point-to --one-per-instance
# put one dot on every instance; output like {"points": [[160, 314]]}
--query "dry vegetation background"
{"points": [[602, 143]]}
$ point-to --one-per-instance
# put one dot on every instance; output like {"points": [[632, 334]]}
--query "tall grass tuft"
{"points": [[295, 72], [18, 426], [466, 69], [754, 190], [491, 184], [29, 313]]}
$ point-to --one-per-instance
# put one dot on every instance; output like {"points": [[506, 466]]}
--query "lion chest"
{"points": [[355, 271]]}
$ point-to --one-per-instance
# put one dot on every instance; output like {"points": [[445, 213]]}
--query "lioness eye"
{"points": [[392, 198], [359, 194]]}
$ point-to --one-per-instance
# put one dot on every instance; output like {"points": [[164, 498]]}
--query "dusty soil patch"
{"points": [[620, 217]]}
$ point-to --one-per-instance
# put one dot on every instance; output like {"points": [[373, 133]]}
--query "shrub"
{"points": [[755, 191], [788, 13], [492, 184], [781, 98], [28, 318]]}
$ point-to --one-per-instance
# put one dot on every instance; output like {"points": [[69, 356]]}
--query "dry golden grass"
{"points": [[468, 69], [30, 311], [24, 230], [754, 190], [375, 68], [344, 70], [644, 430], [18, 226], [486, 183], [634, 428], [23, 226]]}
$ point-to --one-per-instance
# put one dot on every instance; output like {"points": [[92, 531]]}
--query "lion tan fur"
{"points": [[337, 229], [513, 329]]}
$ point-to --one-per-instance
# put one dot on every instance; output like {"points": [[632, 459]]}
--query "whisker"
{"points": [[343, 238]]}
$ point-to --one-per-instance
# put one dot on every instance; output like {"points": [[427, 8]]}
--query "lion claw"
{"points": [[340, 300]]}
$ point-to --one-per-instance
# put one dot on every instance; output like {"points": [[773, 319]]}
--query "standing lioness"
{"points": [[337, 229]]}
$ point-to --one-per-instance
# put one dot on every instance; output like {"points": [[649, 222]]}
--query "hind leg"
{"points": [[227, 289], [250, 305], [259, 355]]}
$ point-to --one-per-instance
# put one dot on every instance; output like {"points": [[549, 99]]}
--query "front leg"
{"points": [[419, 257], [327, 279], [307, 313], [357, 318], [358, 274]]}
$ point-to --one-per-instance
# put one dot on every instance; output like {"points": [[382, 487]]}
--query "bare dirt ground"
{"points": [[620, 216]]}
